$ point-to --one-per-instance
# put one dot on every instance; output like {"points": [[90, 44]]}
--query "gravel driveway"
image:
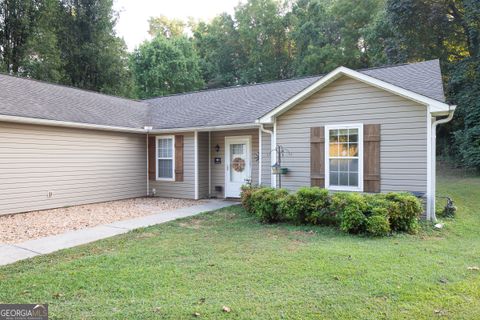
{"points": [[36, 224]]}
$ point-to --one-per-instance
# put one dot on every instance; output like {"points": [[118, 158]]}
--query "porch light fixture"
{"points": [[217, 148]]}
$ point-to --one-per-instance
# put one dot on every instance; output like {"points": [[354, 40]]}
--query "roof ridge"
{"points": [[71, 87], [386, 66], [233, 87], [282, 80]]}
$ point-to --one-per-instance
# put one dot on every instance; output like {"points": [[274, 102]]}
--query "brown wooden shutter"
{"points": [[151, 158], [371, 158], [317, 157], [178, 158]]}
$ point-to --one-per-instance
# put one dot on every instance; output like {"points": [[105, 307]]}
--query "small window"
{"points": [[344, 164], [165, 158]]}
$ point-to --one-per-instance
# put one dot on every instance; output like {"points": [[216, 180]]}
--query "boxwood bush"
{"points": [[350, 207], [265, 203], [308, 205], [376, 215], [246, 197]]}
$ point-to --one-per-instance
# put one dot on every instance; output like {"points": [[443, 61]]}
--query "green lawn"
{"points": [[226, 258]]}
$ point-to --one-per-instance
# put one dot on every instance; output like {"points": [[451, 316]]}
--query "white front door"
{"points": [[237, 164]]}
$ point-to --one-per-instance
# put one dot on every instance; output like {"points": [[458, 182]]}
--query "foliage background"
{"points": [[73, 42]]}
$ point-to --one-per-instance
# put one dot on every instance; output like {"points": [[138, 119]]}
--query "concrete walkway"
{"points": [[10, 253]]}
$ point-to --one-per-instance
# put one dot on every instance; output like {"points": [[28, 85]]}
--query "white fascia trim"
{"points": [[435, 106], [213, 128], [67, 124]]}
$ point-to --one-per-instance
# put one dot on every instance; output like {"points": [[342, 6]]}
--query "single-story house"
{"points": [[369, 130]]}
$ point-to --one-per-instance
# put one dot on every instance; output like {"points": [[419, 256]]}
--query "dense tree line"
{"points": [[73, 42], [64, 41]]}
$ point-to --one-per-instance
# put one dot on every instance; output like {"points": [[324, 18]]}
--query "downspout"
{"points": [[260, 151], [195, 147], [209, 164], [147, 130], [433, 136], [270, 132]]}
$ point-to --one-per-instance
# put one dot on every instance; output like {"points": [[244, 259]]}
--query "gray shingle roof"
{"points": [[36, 99], [424, 78], [235, 105], [245, 104]]}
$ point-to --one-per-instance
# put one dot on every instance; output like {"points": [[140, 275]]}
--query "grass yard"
{"points": [[226, 258]]}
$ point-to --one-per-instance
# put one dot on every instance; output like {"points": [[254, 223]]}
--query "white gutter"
{"points": [[431, 215], [212, 128], [67, 124]]}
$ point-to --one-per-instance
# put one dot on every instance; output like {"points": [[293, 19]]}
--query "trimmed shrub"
{"points": [[265, 203], [308, 205], [378, 224], [376, 215], [246, 197], [288, 205], [350, 207], [404, 211]]}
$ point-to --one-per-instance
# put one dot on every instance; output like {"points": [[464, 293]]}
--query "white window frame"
{"points": [[358, 126], [158, 158]]}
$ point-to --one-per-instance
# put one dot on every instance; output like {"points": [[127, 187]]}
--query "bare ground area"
{"points": [[36, 224]]}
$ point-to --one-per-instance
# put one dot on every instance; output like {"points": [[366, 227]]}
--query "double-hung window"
{"points": [[344, 157], [165, 158]]}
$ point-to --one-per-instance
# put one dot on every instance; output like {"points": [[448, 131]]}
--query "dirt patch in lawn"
{"points": [[36, 224], [192, 224]]}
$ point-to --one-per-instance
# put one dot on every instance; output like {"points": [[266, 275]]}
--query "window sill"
{"points": [[339, 188], [165, 179]]}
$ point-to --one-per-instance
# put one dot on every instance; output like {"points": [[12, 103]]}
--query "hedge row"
{"points": [[377, 215]]}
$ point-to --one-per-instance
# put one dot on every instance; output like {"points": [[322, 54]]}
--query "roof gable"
{"points": [[433, 104]]}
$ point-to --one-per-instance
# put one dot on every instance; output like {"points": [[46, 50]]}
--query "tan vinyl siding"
{"points": [[185, 188], [266, 158], [403, 147], [77, 166], [203, 165], [218, 170]]}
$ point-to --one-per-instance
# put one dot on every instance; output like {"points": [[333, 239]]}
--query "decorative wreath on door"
{"points": [[238, 164]]}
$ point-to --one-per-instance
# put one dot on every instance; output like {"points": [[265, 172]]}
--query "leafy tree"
{"points": [[266, 51], [95, 58], [313, 36], [42, 58], [419, 30], [329, 34], [17, 21], [166, 65], [464, 87], [166, 27], [217, 44], [352, 19]]}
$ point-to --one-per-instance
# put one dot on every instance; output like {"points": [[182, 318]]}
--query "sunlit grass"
{"points": [[226, 258]]}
